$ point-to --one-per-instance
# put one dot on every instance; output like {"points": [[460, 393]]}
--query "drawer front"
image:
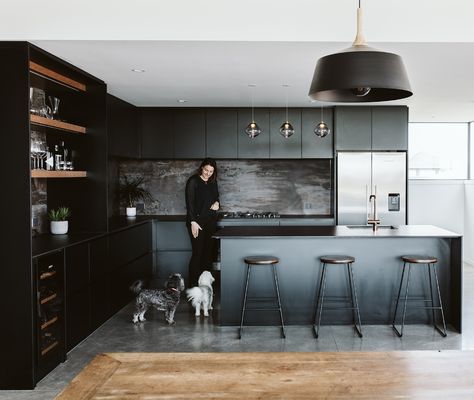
{"points": [[127, 245], [172, 235], [77, 268], [98, 258]]}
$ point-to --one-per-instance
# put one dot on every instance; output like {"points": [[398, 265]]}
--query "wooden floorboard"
{"points": [[344, 375]]}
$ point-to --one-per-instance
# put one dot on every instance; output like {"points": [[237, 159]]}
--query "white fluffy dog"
{"points": [[201, 296]]}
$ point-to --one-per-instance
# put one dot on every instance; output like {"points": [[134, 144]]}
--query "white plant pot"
{"points": [[131, 211], [59, 227]]}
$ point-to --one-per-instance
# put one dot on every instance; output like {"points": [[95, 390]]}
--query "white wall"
{"points": [[448, 204]]}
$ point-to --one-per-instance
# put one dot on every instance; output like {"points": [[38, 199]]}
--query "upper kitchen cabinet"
{"points": [[312, 145], [281, 147], [390, 128], [190, 133], [257, 147], [371, 128], [221, 133], [122, 120], [353, 128], [156, 132]]}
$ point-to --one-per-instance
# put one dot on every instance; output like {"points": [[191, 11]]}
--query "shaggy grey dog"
{"points": [[166, 300], [201, 296]]}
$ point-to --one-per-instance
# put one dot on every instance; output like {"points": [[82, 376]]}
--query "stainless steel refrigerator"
{"points": [[361, 174]]}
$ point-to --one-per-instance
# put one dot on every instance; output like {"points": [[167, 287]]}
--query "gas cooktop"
{"points": [[250, 214]]}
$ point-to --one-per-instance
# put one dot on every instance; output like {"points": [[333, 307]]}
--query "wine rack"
{"points": [[50, 311]]}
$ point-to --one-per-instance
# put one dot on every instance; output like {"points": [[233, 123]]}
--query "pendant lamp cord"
{"points": [[252, 93], [286, 103], [322, 117]]}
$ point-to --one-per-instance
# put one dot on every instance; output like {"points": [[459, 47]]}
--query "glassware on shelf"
{"points": [[53, 110]]}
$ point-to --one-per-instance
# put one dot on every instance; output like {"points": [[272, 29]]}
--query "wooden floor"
{"points": [[353, 375]]}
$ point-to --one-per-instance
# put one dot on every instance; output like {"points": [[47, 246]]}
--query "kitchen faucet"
{"points": [[373, 221]]}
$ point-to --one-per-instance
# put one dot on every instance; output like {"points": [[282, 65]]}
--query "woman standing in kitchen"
{"points": [[202, 204]]}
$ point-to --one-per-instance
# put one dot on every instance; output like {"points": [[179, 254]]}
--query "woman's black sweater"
{"points": [[200, 196]]}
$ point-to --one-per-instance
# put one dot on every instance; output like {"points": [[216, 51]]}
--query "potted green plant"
{"points": [[131, 192], [59, 220]]}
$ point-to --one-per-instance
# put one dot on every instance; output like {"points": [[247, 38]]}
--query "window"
{"points": [[437, 150]]}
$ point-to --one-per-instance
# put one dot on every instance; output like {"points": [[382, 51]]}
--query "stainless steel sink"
{"points": [[370, 227]]}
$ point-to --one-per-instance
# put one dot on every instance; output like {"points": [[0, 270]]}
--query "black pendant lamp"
{"points": [[286, 129], [252, 130], [360, 74]]}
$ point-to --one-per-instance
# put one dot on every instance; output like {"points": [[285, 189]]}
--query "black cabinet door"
{"points": [[189, 133], [77, 318], [100, 302], [99, 258], [312, 145], [156, 132], [129, 244], [353, 128], [257, 147], [281, 147], [221, 133], [390, 128], [77, 268], [122, 120]]}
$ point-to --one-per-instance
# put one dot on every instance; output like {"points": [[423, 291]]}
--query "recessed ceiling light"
{"points": [[182, 101], [138, 70]]}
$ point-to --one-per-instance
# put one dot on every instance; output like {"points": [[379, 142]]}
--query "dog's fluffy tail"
{"points": [[137, 286], [194, 295]]}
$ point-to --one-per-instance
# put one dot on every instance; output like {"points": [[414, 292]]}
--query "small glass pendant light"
{"points": [[286, 129], [322, 130], [252, 130]]}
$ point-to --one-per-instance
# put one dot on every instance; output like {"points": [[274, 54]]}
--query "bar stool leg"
{"points": [[319, 307], [442, 332], [355, 304], [244, 304], [275, 278], [431, 295], [400, 333], [398, 298]]}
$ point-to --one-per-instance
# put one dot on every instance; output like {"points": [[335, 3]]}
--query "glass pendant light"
{"points": [[252, 130], [286, 129], [322, 130]]}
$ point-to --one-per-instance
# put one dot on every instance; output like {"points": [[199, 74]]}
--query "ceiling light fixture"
{"points": [[252, 130], [182, 101], [286, 129], [360, 74], [322, 129], [138, 70]]}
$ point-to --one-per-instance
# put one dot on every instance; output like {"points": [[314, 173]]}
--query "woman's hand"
{"points": [[195, 228], [215, 206]]}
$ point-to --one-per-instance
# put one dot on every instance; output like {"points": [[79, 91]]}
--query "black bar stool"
{"points": [[430, 263], [337, 260], [259, 261]]}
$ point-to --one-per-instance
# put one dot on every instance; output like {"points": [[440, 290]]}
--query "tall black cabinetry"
{"points": [[84, 190]]}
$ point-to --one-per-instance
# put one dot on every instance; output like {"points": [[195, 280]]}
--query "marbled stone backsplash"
{"points": [[285, 186]]}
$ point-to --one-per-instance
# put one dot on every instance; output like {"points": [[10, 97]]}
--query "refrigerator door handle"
{"points": [[367, 202]]}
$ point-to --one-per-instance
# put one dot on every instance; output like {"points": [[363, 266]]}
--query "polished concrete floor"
{"points": [[191, 334]]}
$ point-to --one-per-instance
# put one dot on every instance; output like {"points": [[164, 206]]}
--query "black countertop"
{"points": [[333, 231]]}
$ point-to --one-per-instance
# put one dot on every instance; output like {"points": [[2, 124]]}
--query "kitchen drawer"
{"points": [[172, 235], [77, 268], [127, 245]]}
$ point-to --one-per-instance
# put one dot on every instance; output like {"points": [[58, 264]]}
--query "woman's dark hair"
{"points": [[212, 163]]}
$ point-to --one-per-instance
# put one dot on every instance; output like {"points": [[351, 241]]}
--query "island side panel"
{"points": [[377, 272]]}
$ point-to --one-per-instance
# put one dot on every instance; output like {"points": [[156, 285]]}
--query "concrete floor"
{"points": [[191, 334]]}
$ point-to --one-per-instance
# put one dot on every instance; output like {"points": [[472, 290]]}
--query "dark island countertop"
{"points": [[334, 231]]}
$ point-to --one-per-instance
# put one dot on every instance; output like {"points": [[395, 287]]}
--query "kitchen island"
{"points": [[377, 270]]}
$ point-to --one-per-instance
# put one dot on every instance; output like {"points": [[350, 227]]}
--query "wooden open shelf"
{"points": [[42, 173], [50, 347], [55, 76], [49, 298], [48, 323], [53, 123]]}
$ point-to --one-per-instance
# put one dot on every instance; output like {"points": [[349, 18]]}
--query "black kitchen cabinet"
{"points": [[156, 132], [99, 282], [221, 132], [281, 147], [312, 145], [257, 147], [390, 128], [122, 130], [371, 128], [353, 128], [190, 133]]}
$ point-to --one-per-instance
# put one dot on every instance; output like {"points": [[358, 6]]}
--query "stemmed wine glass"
{"points": [[33, 153]]}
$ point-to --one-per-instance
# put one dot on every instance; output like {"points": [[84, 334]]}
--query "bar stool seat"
{"points": [[262, 261], [430, 263], [337, 260]]}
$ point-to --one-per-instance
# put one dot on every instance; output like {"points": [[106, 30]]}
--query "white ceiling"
{"points": [[208, 51]]}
